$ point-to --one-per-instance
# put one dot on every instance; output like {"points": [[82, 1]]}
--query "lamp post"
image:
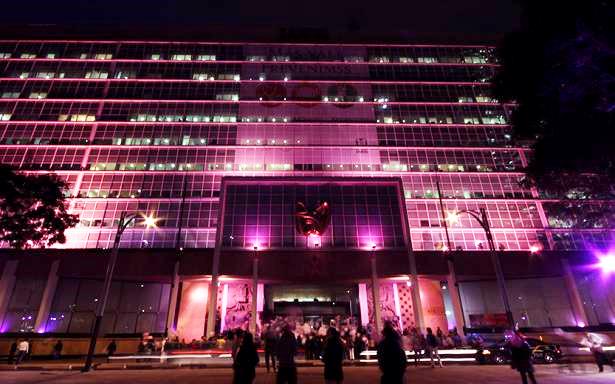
{"points": [[481, 218], [376, 291], [125, 220], [254, 290]]}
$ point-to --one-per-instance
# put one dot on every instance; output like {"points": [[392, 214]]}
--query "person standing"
{"points": [[432, 347], [271, 340], [246, 360], [520, 356], [22, 350], [359, 346], [111, 348], [391, 356], [286, 350], [12, 352], [57, 350], [333, 356]]}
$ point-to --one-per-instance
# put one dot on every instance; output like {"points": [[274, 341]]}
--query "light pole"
{"points": [[376, 291], [481, 218], [254, 290], [125, 220]]}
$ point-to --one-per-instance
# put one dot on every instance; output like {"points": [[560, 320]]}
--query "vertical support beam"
{"points": [[376, 296], [363, 306], [223, 307], [7, 284], [580, 317], [50, 289], [453, 289], [254, 295], [171, 326], [213, 295]]}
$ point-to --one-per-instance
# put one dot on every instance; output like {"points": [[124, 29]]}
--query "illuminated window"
{"points": [[228, 97], [38, 95], [280, 58], [77, 117], [427, 60], [10, 95], [96, 75], [228, 76], [406, 60], [27, 55], [45, 75], [51, 55], [5, 116], [5, 55], [256, 58], [181, 57], [379, 59], [156, 56], [353, 59], [206, 57], [103, 56], [200, 76]]}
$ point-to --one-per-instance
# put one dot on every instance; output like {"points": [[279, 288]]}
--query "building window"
{"points": [[206, 57], [5, 55], [228, 97], [156, 56], [103, 56], [353, 59], [38, 95], [5, 116], [10, 95], [256, 58], [96, 75], [51, 55], [280, 58], [181, 57], [27, 56]]}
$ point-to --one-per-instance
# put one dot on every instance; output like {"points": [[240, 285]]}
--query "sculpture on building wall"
{"points": [[313, 222]]}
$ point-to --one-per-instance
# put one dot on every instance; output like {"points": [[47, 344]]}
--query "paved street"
{"points": [[362, 375]]}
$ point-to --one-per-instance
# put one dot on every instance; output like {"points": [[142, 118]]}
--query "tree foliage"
{"points": [[560, 69], [33, 209]]}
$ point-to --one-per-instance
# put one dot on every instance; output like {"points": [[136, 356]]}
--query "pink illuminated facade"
{"points": [[158, 127]]}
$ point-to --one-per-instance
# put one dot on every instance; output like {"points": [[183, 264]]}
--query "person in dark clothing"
{"points": [[333, 356], [285, 351], [521, 356], [111, 348], [12, 352], [271, 340], [57, 350], [359, 346], [391, 356], [246, 360], [597, 350]]}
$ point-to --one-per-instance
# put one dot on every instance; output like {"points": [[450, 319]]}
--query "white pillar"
{"points": [[170, 327], [50, 289], [7, 284]]}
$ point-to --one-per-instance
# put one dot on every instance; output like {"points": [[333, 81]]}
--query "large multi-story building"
{"points": [[220, 141]]}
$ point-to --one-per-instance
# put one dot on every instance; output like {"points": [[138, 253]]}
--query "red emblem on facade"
{"points": [[312, 222]]}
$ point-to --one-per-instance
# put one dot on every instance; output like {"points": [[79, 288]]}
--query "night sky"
{"points": [[410, 17]]}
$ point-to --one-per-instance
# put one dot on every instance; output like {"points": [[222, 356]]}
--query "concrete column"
{"points": [[376, 296], [576, 302], [7, 283], [254, 296], [453, 290], [50, 289], [170, 327]]}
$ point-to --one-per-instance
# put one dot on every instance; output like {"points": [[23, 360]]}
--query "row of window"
{"points": [[467, 59]]}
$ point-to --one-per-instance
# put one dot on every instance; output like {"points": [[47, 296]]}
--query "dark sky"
{"points": [[424, 17]]}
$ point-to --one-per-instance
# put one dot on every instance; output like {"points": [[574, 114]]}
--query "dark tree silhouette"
{"points": [[560, 69], [33, 209]]}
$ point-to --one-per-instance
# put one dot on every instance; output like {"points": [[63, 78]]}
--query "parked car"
{"points": [[542, 352]]}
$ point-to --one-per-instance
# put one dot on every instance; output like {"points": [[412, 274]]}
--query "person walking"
{"points": [[520, 356], [271, 340], [391, 356], [111, 348], [57, 350], [597, 350], [286, 350], [417, 345], [332, 357], [22, 351], [12, 352], [432, 348], [246, 360]]}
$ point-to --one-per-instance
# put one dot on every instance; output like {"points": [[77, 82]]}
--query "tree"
{"points": [[33, 209], [560, 70]]}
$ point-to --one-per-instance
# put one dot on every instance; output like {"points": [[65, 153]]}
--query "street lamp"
{"points": [[481, 217], [125, 220], [254, 290]]}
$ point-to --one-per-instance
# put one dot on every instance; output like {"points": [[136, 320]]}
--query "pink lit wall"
{"points": [[192, 310], [433, 304], [238, 304]]}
